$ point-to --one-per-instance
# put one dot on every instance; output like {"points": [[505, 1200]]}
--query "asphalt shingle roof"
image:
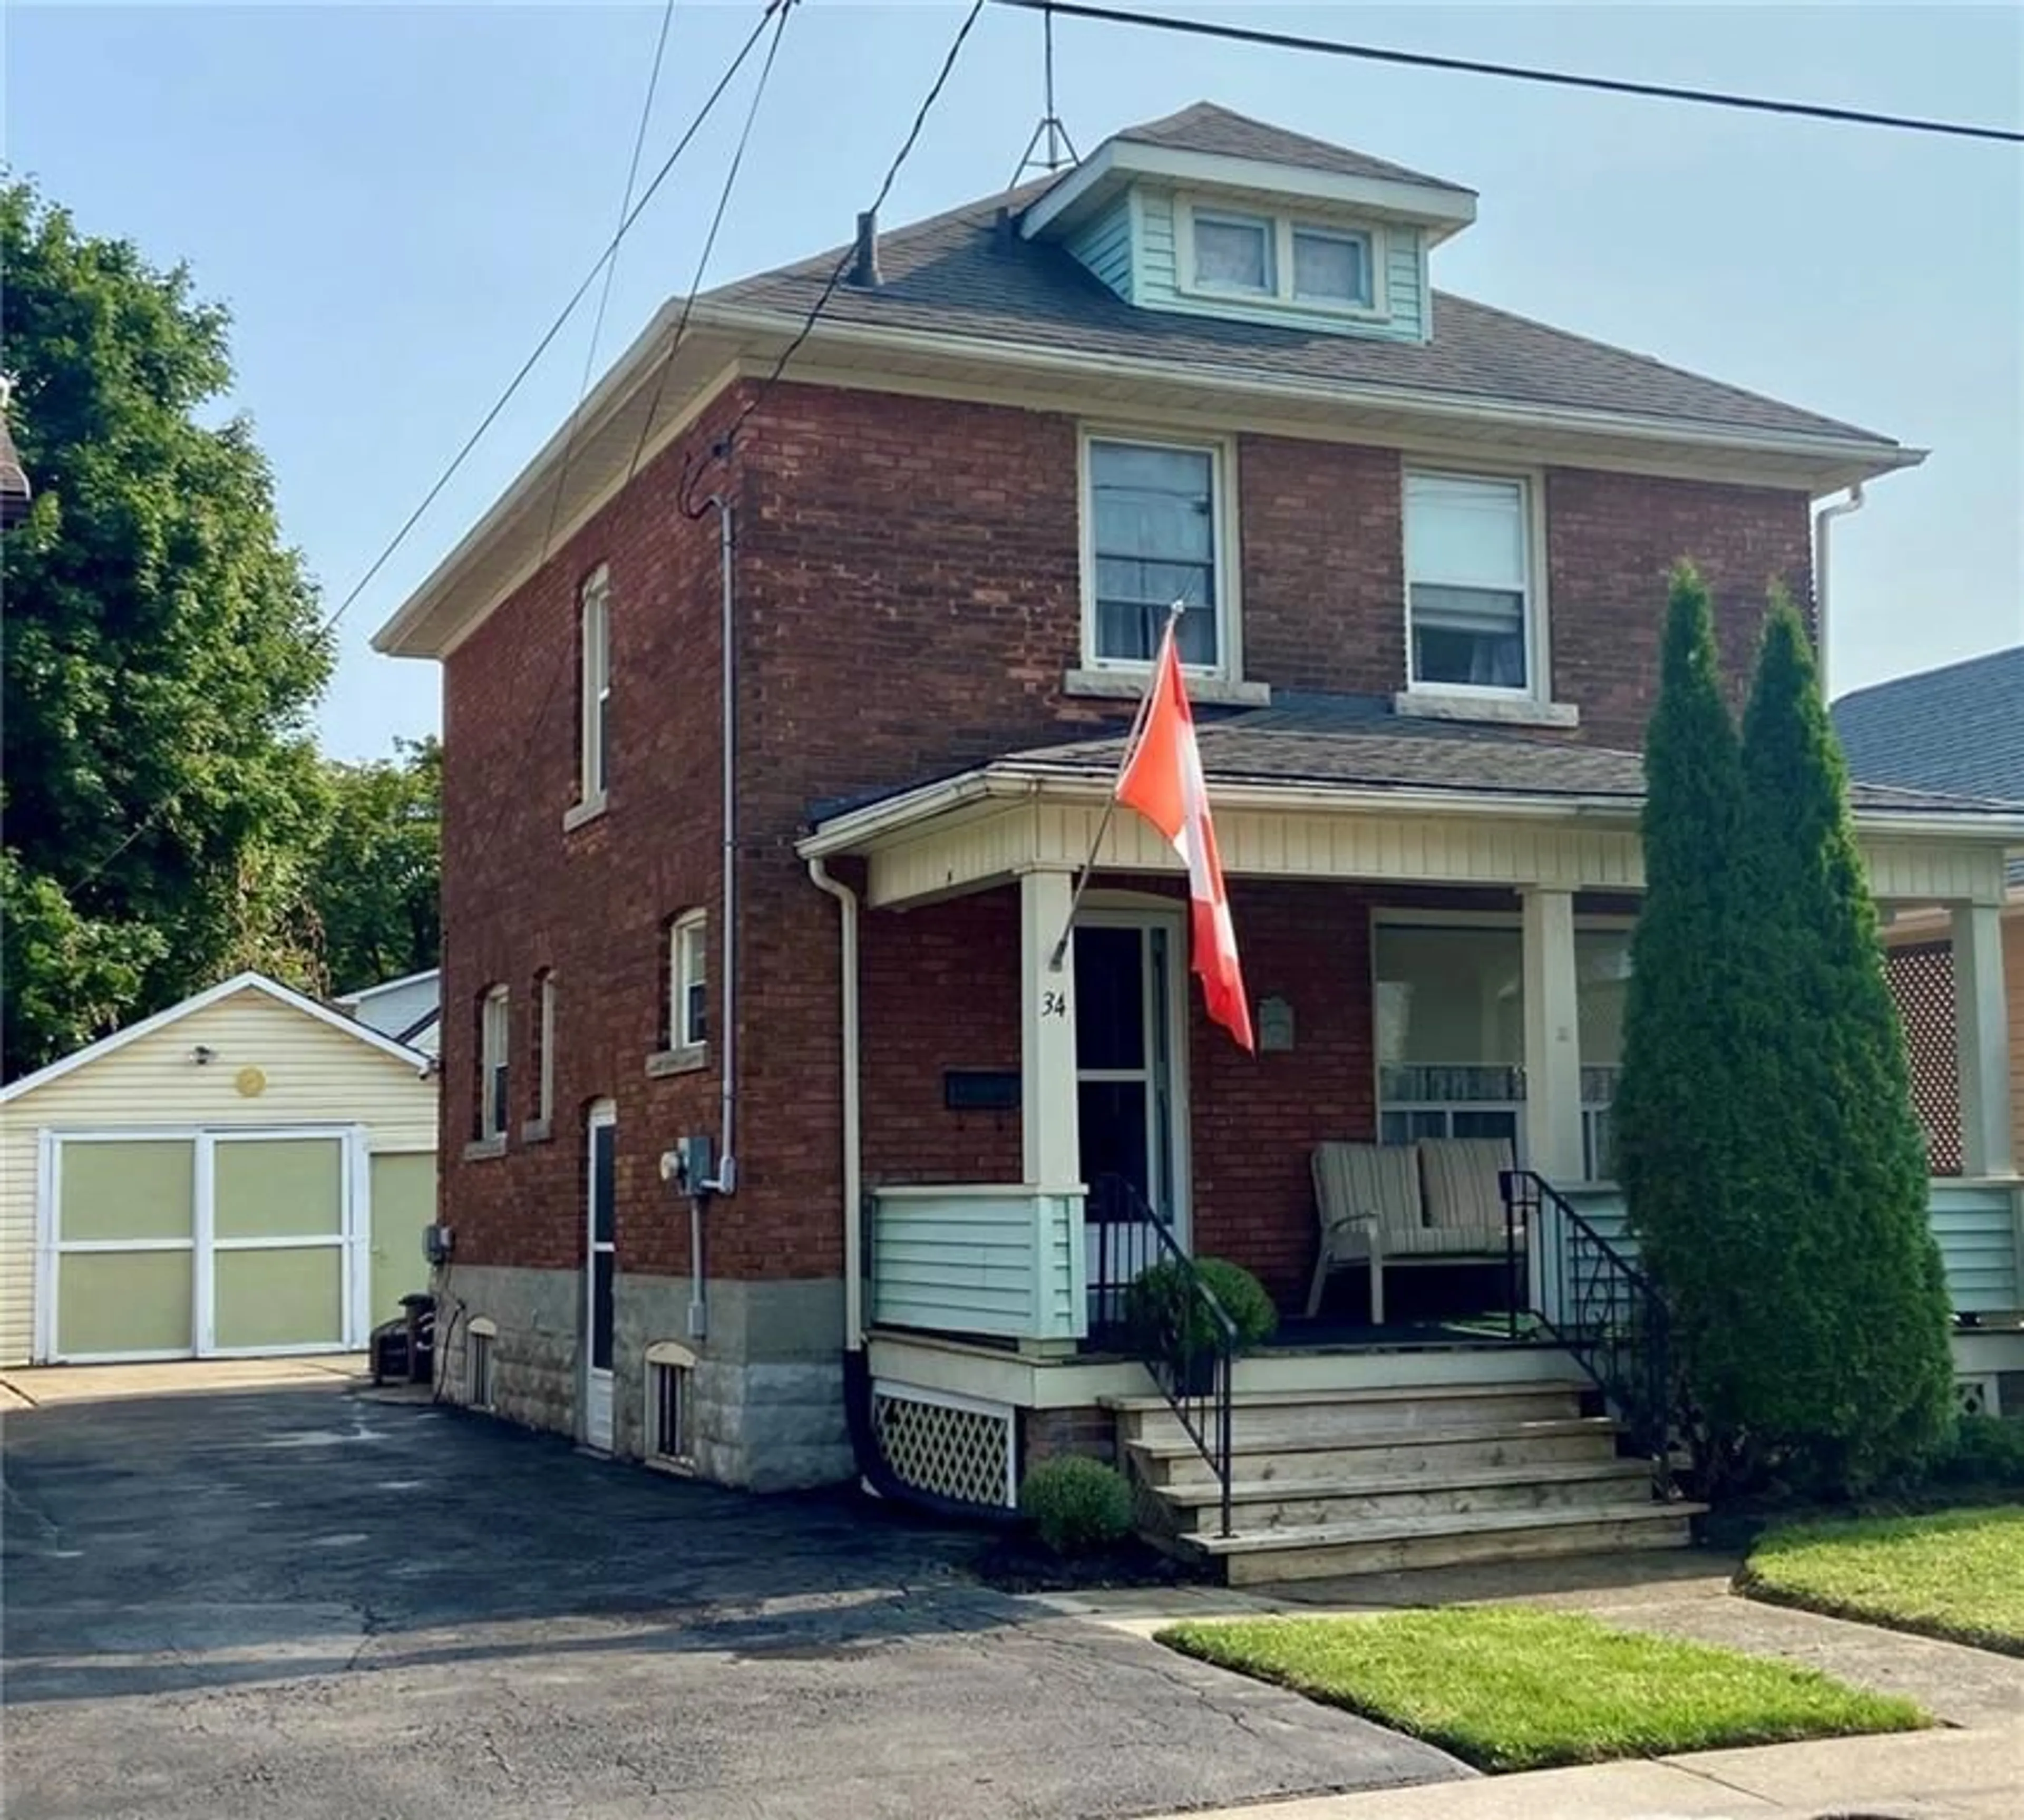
{"points": [[1960, 729], [1359, 742], [1206, 128], [956, 275]]}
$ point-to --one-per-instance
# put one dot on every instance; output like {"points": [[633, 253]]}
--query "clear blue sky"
{"points": [[395, 199]]}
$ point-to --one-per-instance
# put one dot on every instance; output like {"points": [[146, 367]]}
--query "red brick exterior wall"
{"points": [[908, 586]]}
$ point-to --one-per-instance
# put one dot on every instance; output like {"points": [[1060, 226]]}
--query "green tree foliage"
{"points": [[1772, 1163], [1847, 1314], [1676, 1118], [162, 654], [373, 882]]}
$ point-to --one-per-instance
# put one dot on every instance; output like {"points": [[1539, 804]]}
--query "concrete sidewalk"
{"points": [[32, 1387], [1926, 1775]]}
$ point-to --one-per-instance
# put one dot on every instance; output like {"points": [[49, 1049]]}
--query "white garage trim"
{"points": [[352, 1240]]}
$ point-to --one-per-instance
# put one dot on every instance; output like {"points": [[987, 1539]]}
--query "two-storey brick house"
{"points": [[1423, 543]]}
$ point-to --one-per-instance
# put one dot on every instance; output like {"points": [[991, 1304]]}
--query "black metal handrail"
{"points": [[1178, 1331], [1599, 1305]]}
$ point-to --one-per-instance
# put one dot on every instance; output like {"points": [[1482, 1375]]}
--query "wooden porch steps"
{"points": [[1368, 1480]]}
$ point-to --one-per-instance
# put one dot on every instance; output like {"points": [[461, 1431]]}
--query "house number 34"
{"points": [[1053, 1004]]}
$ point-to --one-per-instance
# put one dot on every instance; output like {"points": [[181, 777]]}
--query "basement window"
{"points": [[477, 1369], [670, 1406]]}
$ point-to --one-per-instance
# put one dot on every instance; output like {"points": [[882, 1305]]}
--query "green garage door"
{"points": [[278, 1259], [126, 1247], [204, 1242]]}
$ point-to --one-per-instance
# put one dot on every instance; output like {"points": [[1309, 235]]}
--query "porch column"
{"points": [[1050, 1147], [1981, 1032], [1552, 1038]]}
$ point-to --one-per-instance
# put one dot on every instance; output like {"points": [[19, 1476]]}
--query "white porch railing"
{"points": [[1007, 1262], [1979, 1226]]}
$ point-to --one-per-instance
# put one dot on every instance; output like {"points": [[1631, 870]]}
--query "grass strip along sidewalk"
{"points": [[1954, 1574], [1507, 1687]]}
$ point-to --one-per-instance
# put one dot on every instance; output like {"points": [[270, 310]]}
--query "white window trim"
{"points": [[681, 1042], [495, 1050], [1222, 451], [1281, 296], [1426, 697], [593, 702], [1268, 224]]}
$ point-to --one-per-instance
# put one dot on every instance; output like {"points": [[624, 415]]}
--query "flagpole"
{"points": [[1110, 801]]}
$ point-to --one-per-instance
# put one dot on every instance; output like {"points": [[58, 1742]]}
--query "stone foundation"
{"points": [[1045, 1434], [768, 1411]]}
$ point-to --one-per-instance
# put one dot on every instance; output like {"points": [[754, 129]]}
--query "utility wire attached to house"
{"points": [[722, 449], [1518, 72], [568, 310], [610, 273]]}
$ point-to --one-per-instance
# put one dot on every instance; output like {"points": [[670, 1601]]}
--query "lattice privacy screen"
{"points": [[955, 1448], [1922, 981]]}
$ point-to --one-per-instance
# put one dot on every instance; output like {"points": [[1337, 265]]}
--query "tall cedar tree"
{"points": [[1839, 1314], [1678, 1123], [162, 654]]}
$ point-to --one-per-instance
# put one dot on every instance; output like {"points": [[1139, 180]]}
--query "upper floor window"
{"points": [[1152, 518], [1470, 598], [494, 1046], [1278, 259], [688, 981], [595, 720]]}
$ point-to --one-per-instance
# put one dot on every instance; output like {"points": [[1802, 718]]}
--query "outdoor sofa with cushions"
{"points": [[1436, 1201]]}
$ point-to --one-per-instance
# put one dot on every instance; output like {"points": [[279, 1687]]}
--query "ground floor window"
{"points": [[1450, 1035]]}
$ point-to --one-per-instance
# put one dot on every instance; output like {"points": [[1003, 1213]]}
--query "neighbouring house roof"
{"points": [[1958, 728], [1355, 744], [362, 995], [211, 995], [967, 298]]}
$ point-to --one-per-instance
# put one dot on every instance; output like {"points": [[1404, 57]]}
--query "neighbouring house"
{"points": [[1959, 730], [408, 1009], [246, 1172], [874, 630]]}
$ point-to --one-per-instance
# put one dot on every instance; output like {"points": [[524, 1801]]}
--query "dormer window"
{"points": [[1234, 252], [1331, 268], [1280, 259]]}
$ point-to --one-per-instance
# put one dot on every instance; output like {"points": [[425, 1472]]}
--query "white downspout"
{"points": [[853, 1284], [1841, 508], [726, 1156]]}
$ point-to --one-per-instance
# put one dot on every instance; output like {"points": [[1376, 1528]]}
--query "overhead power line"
{"points": [[1520, 72], [610, 269], [555, 327], [807, 328]]}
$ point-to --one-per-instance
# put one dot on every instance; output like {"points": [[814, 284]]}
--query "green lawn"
{"points": [[1958, 1574], [1507, 1687]]}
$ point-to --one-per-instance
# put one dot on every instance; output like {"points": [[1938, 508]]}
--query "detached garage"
{"points": [[247, 1172]]}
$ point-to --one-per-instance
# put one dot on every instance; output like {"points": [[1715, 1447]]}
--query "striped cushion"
{"points": [[1355, 1179], [1460, 1177]]}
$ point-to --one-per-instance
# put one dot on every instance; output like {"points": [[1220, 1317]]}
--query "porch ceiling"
{"points": [[1334, 790]]}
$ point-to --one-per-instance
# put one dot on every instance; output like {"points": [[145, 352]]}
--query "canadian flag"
{"points": [[1162, 779]]}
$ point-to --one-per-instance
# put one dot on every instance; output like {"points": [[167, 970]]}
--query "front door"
{"points": [[1129, 1102], [599, 1275]]}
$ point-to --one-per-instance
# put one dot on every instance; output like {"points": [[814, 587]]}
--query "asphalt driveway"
{"points": [[304, 1603]]}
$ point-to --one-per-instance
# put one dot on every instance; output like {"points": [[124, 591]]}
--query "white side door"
{"points": [[601, 1275]]}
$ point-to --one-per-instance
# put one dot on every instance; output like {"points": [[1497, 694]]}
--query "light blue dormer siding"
{"points": [[1154, 281], [1103, 243]]}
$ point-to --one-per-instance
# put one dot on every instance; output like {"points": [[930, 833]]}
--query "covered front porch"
{"points": [[1428, 961]]}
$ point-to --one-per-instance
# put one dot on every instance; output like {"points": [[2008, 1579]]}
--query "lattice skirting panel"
{"points": [[1921, 981], [1977, 1395], [954, 1447]]}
